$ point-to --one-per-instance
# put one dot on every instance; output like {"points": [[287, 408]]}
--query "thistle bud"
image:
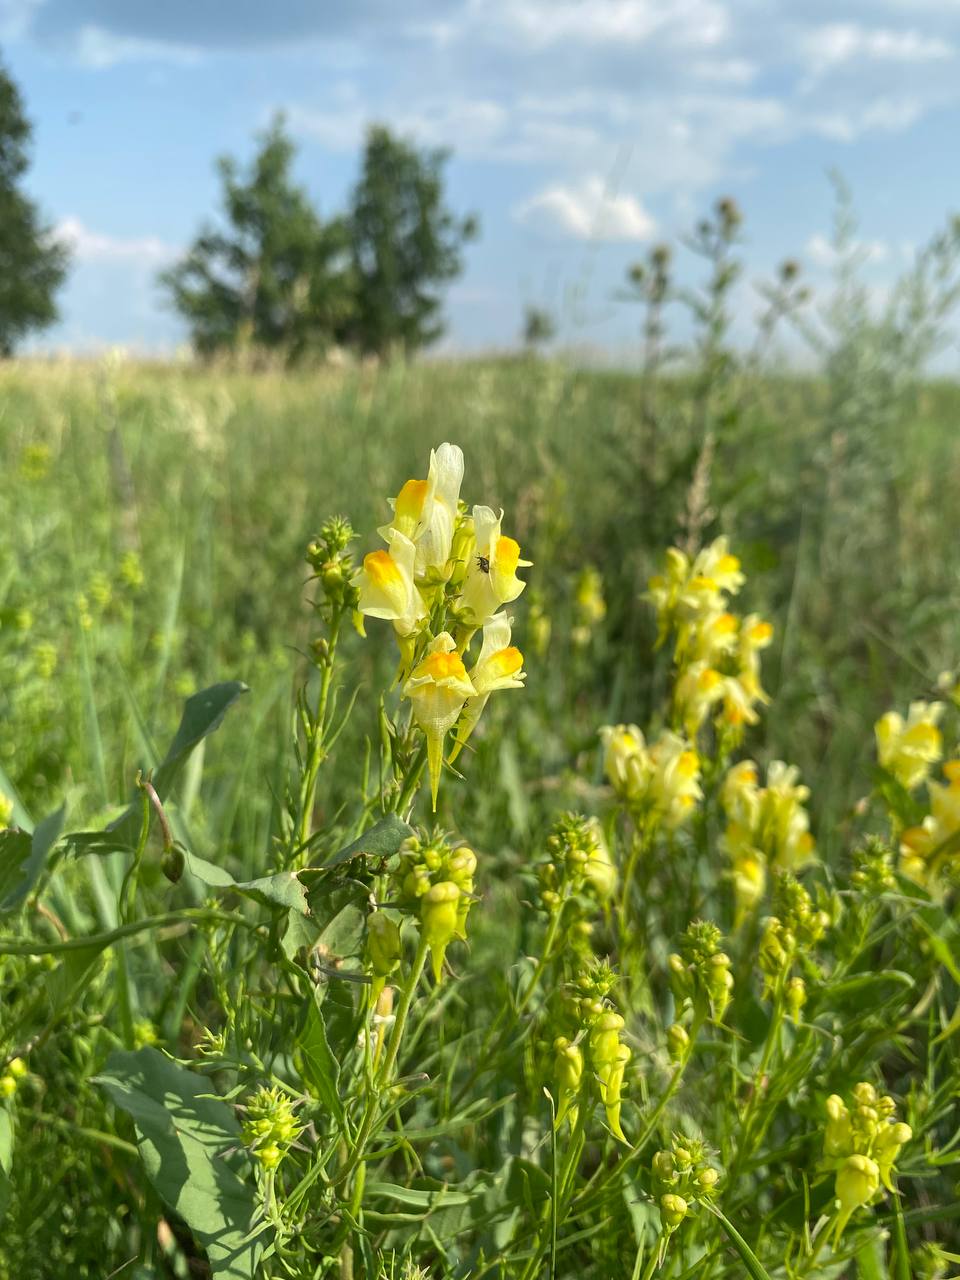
{"points": [[678, 1043], [438, 913]]}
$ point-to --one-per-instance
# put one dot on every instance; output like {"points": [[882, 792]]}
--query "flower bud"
{"points": [[836, 1134], [18, 1069], [172, 863], [438, 914], [673, 1210], [383, 944], [678, 1042], [796, 997], [8, 1086], [886, 1148], [865, 1094], [858, 1179], [568, 1072], [664, 1166], [707, 1178], [610, 1074], [605, 1038]]}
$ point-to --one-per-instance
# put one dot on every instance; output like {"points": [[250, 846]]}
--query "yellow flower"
{"points": [[568, 1072], [425, 511], [491, 579], [388, 589], [437, 688], [740, 794], [755, 635], [717, 563], [907, 748], [499, 666], [943, 822], [715, 638], [858, 1180], [749, 882], [599, 868], [439, 914], [675, 782], [626, 760], [699, 688], [783, 823]]}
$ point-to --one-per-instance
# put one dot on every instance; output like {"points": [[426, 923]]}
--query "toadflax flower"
{"points": [[437, 688], [491, 577], [499, 666], [425, 511], [388, 590], [907, 748]]}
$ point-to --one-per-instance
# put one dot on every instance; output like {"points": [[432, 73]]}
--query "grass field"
{"points": [[153, 527]]}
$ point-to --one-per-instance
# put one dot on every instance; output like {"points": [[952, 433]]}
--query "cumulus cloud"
{"points": [[588, 211], [844, 42], [93, 246]]}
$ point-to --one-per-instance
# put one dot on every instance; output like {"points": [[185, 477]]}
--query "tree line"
{"points": [[270, 274]]}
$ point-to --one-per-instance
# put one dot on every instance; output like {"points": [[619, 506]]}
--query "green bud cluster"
{"points": [[577, 874], [700, 972], [873, 871], [333, 565], [680, 1178], [436, 881], [861, 1142], [793, 905], [269, 1126]]}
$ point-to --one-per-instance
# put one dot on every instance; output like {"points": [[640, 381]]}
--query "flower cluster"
{"points": [[929, 849], [717, 653], [907, 748], [788, 936], [660, 782], [767, 827], [436, 880], [700, 972], [861, 1143], [445, 574], [600, 1027], [270, 1125], [681, 1177], [578, 867]]}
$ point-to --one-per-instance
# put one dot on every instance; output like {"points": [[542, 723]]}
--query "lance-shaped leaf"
{"points": [[23, 857]]}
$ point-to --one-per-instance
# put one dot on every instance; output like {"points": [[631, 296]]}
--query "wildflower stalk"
{"points": [[315, 724]]}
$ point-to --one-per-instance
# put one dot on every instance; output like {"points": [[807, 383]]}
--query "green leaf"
{"points": [[749, 1259], [281, 890], [318, 1066], [382, 841], [6, 1156], [864, 982], [18, 875], [415, 1197], [202, 714], [341, 916], [183, 1137]]}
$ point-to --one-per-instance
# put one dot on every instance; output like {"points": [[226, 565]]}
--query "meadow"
{"points": [[599, 1082]]}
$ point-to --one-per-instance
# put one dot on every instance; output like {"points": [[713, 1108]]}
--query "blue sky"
{"points": [[582, 131]]}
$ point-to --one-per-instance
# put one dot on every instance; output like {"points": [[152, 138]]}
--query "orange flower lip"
{"points": [[440, 666], [381, 568]]}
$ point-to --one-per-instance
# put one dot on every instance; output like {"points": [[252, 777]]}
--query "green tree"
{"points": [[274, 277], [405, 244], [539, 327], [32, 262]]}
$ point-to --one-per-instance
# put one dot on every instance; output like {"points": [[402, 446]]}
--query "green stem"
{"points": [[198, 915], [317, 736]]}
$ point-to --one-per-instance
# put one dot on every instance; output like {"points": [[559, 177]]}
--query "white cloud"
{"points": [[542, 23], [99, 49], [823, 253], [94, 246], [588, 211], [839, 43]]}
